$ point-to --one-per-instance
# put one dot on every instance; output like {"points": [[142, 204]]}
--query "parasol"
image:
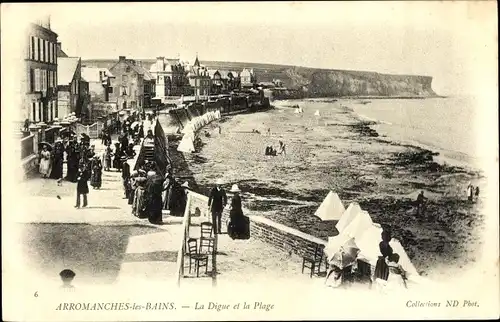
{"points": [[134, 125], [346, 255], [47, 144]]}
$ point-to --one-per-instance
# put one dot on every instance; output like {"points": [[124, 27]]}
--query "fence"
{"points": [[27, 146], [93, 131]]}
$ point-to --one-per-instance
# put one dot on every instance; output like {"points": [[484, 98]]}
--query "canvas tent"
{"points": [[331, 208], [348, 216], [359, 225], [186, 145], [317, 113]]}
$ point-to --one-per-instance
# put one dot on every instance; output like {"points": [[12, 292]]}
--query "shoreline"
{"points": [[382, 176]]}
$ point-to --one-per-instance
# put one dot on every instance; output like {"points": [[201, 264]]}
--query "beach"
{"points": [[340, 151]]}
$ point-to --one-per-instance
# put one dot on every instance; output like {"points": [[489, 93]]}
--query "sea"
{"points": [[445, 125]]}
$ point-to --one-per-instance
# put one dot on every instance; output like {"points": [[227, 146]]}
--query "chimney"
{"points": [[121, 58]]}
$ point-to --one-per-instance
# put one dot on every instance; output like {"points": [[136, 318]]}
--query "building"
{"points": [[128, 90], [101, 83], [223, 81], [149, 85], [169, 76], [247, 78], [199, 79], [39, 81], [73, 90]]}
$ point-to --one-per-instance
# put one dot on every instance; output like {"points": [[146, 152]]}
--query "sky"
{"points": [[455, 42]]}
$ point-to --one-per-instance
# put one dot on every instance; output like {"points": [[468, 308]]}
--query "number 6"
{"points": [[36, 294]]}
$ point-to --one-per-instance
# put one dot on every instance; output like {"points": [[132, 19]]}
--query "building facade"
{"points": [[101, 83], [149, 85], [247, 78], [199, 79], [128, 90], [169, 76], [73, 90], [223, 81], [40, 77]]}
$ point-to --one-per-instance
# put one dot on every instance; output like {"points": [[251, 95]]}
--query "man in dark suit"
{"points": [[216, 203]]}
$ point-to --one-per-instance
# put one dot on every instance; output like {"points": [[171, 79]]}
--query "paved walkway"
{"points": [[152, 254]]}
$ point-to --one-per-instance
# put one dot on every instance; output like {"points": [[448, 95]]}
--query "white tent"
{"points": [[317, 113], [359, 225], [348, 216], [186, 145], [331, 208]]}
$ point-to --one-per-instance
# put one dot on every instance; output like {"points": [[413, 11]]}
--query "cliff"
{"points": [[314, 82]]}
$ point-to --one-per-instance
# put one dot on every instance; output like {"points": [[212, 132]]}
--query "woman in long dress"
{"points": [[138, 208], [397, 276], [96, 179], [58, 157], [153, 198], [45, 162], [118, 153], [108, 155]]}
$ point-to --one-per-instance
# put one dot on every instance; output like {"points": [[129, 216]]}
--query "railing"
{"points": [[182, 249], [27, 146]]}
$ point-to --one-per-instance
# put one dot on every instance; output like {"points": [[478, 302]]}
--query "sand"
{"points": [[338, 151]]}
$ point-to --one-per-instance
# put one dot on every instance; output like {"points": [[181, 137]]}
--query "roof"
{"points": [[145, 72], [60, 52], [66, 68], [91, 74]]}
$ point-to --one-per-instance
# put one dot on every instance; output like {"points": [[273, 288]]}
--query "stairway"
{"points": [[149, 152]]}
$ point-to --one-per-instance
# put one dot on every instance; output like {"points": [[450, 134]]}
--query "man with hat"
{"points": [[216, 203], [67, 277]]}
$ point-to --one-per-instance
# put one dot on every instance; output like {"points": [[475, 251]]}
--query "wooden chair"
{"points": [[207, 238], [196, 258], [313, 258]]}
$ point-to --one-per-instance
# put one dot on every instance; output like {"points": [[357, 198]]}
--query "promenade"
{"points": [[102, 243]]}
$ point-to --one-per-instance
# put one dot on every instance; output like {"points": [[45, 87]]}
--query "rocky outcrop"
{"points": [[353, 83]]}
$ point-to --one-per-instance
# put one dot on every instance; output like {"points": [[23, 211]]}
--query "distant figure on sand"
{"points": [[421, 203], [282, 148], [477, 193], [470, 192]]}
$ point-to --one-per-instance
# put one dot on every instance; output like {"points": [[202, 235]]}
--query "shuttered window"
{"points": [[33, 111], [35, 48]]}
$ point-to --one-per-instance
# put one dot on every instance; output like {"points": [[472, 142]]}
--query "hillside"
{"points": [[319, 82]]}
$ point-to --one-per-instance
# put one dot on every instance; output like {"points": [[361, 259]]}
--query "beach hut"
{"points": [[186, 145], [359, 224], [317, 113], [331, 208], [348, 216]]}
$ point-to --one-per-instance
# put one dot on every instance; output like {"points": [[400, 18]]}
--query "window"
{"points": [[36, 52], [42, 49], [33, 111], [32, 47], [54, 53], [49, 45], [110, 90], [39, 111], [37, 80], [32, 80], [56, 109], [124, 78], [55, 79], [124, 90], [127, 69]]}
